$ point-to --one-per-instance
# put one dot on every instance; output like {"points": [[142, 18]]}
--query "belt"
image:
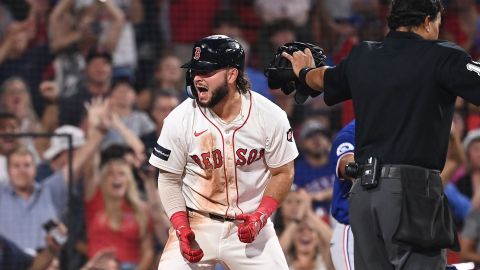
{"points": [[395, 171], [212, 215]]}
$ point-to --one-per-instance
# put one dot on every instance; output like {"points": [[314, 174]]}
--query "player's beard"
{"points": [[218, 94]]}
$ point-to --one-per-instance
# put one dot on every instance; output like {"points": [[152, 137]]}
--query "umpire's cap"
{"points": [[216, 52]]}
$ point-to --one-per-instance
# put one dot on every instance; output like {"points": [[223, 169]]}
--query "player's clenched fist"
{"points": [[254, 222], [188, 246]]}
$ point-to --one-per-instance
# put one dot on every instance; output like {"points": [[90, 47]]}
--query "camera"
{"points": [[371, 170], [52, 228]]}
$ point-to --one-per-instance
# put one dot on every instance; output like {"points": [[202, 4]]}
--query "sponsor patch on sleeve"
{"points": [[161, 152], [344, 147], [290, 135]]}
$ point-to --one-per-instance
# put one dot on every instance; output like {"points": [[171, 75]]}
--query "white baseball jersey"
{"points": [[225, 165]]}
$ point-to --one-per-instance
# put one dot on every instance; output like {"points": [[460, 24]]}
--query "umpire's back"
{"points": [[404, 90]]}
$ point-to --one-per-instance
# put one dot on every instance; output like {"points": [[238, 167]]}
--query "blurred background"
{"points": [[106, 73]]}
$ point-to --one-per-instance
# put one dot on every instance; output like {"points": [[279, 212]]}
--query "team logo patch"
{"points": [[290, 135], [196, 55], [344, 147], [161, 152], [474, 66]]}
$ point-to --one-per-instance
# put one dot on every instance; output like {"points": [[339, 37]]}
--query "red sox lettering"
{"points": [[214, 159]]}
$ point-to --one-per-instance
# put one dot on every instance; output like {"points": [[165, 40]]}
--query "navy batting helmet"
{"points": [[215, 52], [212, 53]]}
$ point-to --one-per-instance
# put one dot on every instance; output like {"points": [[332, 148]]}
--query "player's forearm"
{"points": [[279, 185], [314, 78], [170, 192]]}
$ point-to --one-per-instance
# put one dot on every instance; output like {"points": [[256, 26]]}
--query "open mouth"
{"points": [[305, 241], [202, 89], [117, 185]]}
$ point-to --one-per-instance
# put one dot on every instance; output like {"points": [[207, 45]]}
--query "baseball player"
{"points": [[226, 162], [341, 245]]}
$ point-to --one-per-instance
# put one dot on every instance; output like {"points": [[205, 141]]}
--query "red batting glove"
{"points": [[188, 246], [254, 222]]}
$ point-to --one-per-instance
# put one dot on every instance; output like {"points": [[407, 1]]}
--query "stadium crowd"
{"points": [[107, 73]]}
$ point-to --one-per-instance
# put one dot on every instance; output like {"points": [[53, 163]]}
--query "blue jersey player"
{"points": [[341, 154]]}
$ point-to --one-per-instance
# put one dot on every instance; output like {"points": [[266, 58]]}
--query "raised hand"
{"points": [[49, 91]]}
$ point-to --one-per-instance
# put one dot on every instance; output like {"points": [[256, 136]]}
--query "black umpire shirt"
{"points": [[403, 91]]}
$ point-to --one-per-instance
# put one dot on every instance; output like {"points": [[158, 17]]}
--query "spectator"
{"points": [[125, 53], [104, 259], [469, 238], [19, 59], [295, 11], [26, 205], [272, 36], [114, 22], [56, 156], [162, 104], [96, 83], [462, 25], [306, 238], [471, 144], [122, 98], [310, 249], [226, 22], [8, 124], [289, 215], [144, 176], [311, 170], [70, 41], [167, 77], [189, 21], [15, 98], [105, 21], [12, 257], [116, 216]]}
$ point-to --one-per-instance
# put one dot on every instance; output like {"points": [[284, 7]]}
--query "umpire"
{"points": [[403, 90]]}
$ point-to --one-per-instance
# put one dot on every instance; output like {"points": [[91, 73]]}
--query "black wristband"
{"points": [[302, 75]]}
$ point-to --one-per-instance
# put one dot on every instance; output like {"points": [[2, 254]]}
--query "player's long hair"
{"points": [[132, 197], [412, 13], [242, 82]]}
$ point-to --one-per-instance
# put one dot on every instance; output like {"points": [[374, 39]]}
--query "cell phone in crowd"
{"points": [[52, 228]]}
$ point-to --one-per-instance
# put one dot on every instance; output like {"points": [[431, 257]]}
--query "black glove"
{"points": [[280, 73]]}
